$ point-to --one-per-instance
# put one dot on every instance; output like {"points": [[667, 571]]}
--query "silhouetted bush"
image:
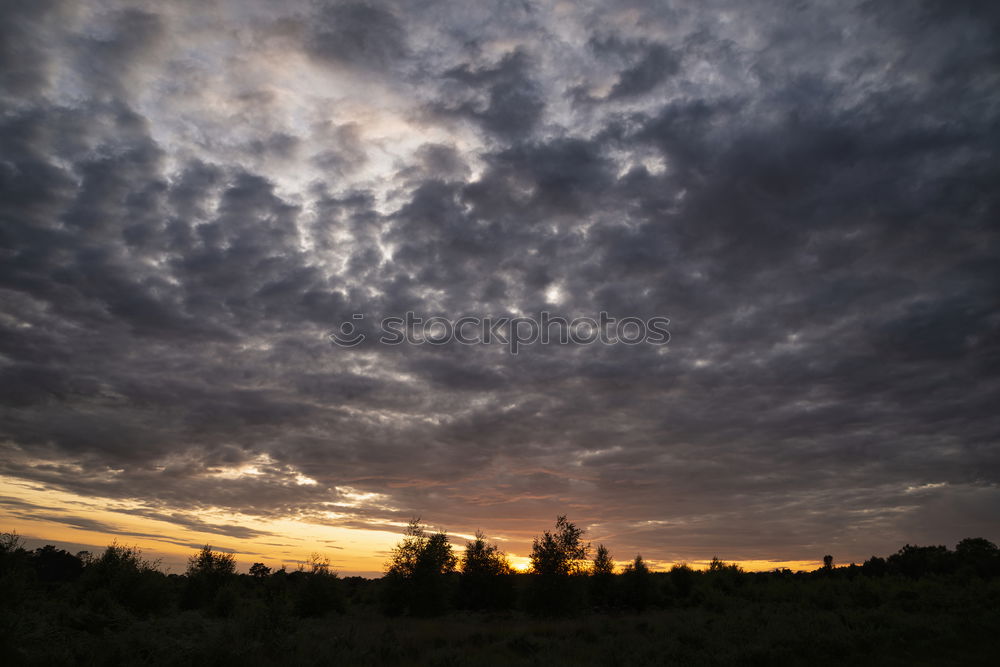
{"points": [[259, 571], [874, 567], [682, 580], [123, 576], [486, 581], [979, 556], [637, 590], [56, 565], [725, 576], [15, 580], [317, 591], [914, 561], [558, 563], [419, 573], [602, 579], [208, 574]]}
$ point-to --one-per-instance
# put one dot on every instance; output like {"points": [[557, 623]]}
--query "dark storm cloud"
{"points": [[360, 34], [808, 195], [503, 98], [657, 63], [645, 64]]}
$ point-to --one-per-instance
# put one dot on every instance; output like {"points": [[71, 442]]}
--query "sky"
{"points": [[194, 195]]}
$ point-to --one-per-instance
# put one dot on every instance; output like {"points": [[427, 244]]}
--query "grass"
{"points": [[911, 623], [921, 606]]}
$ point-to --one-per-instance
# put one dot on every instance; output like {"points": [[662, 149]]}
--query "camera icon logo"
{"points": [[347, 335]]}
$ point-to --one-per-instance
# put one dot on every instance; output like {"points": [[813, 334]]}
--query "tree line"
{"points": [[424, 576]]}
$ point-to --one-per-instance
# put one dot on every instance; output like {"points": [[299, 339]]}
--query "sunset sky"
{"points": [[192, 195]]}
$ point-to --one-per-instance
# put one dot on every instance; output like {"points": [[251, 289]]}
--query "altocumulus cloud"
{"points": [[192, 194]]}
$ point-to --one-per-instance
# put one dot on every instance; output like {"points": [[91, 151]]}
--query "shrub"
{"points": [[682, 580], [128, 579], [318, 591], [557, 560], [602, 578], [916, 562], [486, 581], [637, 589], [56, 565], [418, 573], [207, 573], [979, 556]]}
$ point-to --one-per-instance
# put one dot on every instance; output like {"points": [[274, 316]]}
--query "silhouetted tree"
{"points": [[208, 573], [318, 591], [603, 564], [10, 542], [913, 561], [978, 555], [725, 576], [559, 553], [828, 563], [210, 563], [602, 578], [555, 557], [417, 574], [259, 571], [56, 565], [637, 584], [14, 570], [874, 567], [486, 581], [682, 579], [129, 578]]}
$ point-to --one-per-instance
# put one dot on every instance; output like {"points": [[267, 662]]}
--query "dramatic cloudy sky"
{"points": [[193, 194]]}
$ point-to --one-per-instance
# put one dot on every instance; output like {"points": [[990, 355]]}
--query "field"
{"points": [[119, 610]]}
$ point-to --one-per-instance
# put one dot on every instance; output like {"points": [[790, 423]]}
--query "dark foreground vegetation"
{"points": [[921, 605]]}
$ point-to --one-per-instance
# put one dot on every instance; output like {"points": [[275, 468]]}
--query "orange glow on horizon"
{"points": [[93, 523]]}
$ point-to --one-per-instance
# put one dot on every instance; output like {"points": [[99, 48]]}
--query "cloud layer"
{"points": [[192, 196]]}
